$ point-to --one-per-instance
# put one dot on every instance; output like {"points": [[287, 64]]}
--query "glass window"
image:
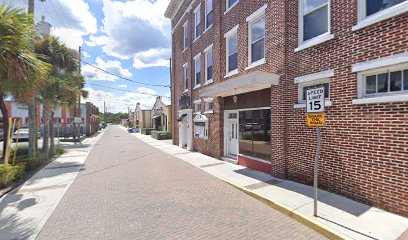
{"points": [[255, 133], [197, 107], [209, 13], [186, 77], [326, 90], [197, 71], [232, 53], [258, 39], [197, 23], [185, 35], [209, 63], [231, 2], [374, 6], [386, 82], [315, 18], [209, 106]]}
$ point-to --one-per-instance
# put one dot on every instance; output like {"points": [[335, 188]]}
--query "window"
{"points": [[208, 66], [209, 15], [185, 28], [374, 6], [257, 40], [326, 90], [231, 3], [197, 106], [255, 133], [315, 18], [197, 65], [209, 105], [232, 55], [185, 69], [197, 20], [386, 83]]}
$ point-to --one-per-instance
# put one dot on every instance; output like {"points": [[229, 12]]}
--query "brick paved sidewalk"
{"points": [[130, 190]]}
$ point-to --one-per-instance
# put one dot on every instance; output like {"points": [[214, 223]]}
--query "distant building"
{"points": [[162, 115], [143, 117], [43, 28]]}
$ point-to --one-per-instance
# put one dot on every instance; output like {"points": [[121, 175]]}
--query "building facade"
{"points": [[162, 116], [241, 69], [143, 118]]}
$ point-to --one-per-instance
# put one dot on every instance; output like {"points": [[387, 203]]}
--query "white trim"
{"points": [[185, 65], [254, 18], [232, 73], [196, 39], [207, 29], [185, 91], [383, 99], [302, 44], [231, 32], [255, 64], [188, 9], [208, 82], [311, 83], [185, 29], [207, 51], [198, 101], [315, 41], [197, 56], [209, 112], [197, 86], [364, 21], [230, 7], [257, 13], [380, 62], [197, 9], [209, 99], [205, 16], [254, 158], [249, 109], [208, 48], [314, 76], [327, 103]]}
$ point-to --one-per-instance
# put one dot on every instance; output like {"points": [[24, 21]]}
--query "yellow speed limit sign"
{"points": [[316, 120]]}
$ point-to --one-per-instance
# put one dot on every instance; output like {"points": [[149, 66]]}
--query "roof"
{"points": [[171, 10]]}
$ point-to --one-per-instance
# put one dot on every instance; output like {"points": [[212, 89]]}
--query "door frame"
{"points": [[226, 127]]}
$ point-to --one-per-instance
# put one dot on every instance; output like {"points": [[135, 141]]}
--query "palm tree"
{"points": [[21, 71]]}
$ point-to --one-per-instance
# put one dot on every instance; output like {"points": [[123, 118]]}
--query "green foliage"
{"points": [[10, 174], [160, 135], [34, 163], [147, 131], [59, 151]]}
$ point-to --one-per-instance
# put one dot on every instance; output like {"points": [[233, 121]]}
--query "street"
{"points": [[130, 190]]}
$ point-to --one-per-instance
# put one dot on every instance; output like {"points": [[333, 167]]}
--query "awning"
{"points": [[250, 82], [181, 118]]}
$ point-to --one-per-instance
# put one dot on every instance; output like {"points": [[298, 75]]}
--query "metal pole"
{"points": [[316, 171], [79, 96]]}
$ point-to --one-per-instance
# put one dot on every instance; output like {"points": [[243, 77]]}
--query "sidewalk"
{"points": [[339, 217], [25, 210]]}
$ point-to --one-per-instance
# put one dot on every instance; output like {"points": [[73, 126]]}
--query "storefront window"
{"points": [[255, 132]]}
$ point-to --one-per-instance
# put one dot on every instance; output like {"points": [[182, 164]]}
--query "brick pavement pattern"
{"points": [[130, 190]]}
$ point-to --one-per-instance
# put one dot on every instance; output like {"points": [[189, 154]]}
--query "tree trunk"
{"points": [[32, 126], [46, 138], [5, 114], [52, 134]]}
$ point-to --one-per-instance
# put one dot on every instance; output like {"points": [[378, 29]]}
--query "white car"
{"points": [[22, 135]]}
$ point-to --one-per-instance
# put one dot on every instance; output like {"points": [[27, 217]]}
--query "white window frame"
{"points": [[206, 15], [310, 80], [185, 35], [207, 101], [258, 14], [231, 33], [197, 58], [197, 10], [228, 8], [318, 39], [185, 70], [206, 52], [197, 103], [364, 20]]}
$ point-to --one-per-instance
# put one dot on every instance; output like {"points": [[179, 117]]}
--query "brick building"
{"points": [[241, 69]]}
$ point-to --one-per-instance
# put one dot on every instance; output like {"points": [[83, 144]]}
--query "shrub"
{"points": [[59, 151], [10, 174], [33, 163], [147, 131], [160, 135]]}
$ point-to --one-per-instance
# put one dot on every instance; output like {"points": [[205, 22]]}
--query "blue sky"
{"points": [[129, 38]]}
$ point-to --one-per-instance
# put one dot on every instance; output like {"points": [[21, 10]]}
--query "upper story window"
{"points": [[256, 26], [374, 6], [231, 3], [232, 50], [208, 64], [386, 82], [197, 21], [185, 35], [185, 70], [315, 18], [209, 15], [197, 64]]}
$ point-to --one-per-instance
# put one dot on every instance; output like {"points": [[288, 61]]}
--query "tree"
{"points": [[21, 70]]}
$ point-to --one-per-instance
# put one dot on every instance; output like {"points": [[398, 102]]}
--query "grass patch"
{"points": [[10, 174]]}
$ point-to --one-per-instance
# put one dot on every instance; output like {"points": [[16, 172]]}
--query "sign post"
{"points": [[316, 118]]}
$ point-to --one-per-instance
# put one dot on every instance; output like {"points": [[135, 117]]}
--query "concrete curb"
{"points": [[305, 220]]}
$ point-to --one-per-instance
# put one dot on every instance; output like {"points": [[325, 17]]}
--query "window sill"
{"points": [[209, 112], [195, 113], [382, 15], [232, 73], [315, 41], [208, 82], [255, 64], [255, 158], [185, 91], [327, 103], [197, 86], [195, 40], [208, 28], [382, 99], [231, 7], [184, 50]]}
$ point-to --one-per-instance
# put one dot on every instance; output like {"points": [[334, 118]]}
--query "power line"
{"points": [[124, 78], [123, 90]]}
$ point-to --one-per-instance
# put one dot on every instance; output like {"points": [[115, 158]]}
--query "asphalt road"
{"points": [[130, 190]]}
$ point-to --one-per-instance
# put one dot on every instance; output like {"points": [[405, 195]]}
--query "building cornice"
{"points": [[173, 8]]}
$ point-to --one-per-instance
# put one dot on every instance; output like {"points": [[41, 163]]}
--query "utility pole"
{"points": [[79, 94]]}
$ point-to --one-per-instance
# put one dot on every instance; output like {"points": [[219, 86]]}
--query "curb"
{"points": [[305, 220]]}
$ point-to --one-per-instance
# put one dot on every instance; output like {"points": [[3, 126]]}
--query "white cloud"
{"points": [[123, 86], [112, 66], [135, 29], [123, 101], [86, 55]]}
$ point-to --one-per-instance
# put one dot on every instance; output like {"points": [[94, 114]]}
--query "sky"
{"points": [[130, 38]]}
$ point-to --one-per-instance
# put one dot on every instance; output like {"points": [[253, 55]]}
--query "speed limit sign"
{"points": [[315, 100]]}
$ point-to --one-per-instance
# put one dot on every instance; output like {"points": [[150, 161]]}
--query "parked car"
{"points": [[1, 136], [22, 135], [133, 130]]}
